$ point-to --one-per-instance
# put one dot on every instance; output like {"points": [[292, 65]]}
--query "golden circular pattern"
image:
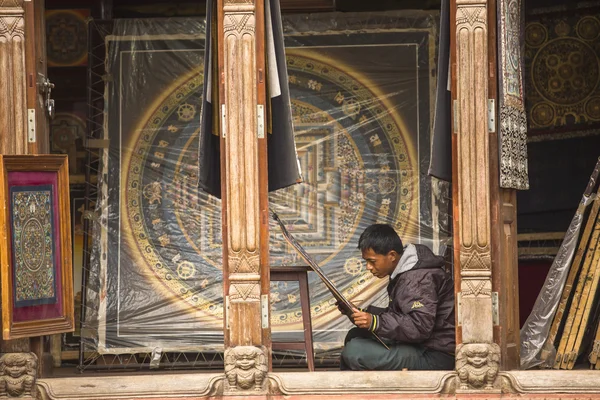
{"points": [[153, 192], [588, 28], [535, 34], [186, 112], [387, 185], [592, 108], [542, 114], [186, 270], [558, 79], [353, 266]]}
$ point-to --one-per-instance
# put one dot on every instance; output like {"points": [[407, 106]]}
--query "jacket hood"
{"points": [[417, 256]]}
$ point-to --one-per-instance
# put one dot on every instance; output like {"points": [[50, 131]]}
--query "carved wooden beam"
{"points": [[473, 196], [13, 90], [239, 57]]}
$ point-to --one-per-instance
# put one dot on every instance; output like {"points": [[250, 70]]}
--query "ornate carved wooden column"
{"points": [[13, 90], [21, 365], [243, 187], [477, 357]]}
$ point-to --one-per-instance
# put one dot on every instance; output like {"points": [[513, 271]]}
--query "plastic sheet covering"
{"points": [[537, 326], [361, 88]]}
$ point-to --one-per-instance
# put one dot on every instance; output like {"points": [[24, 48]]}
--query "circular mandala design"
{"points": [[353, 266], [588, 28], [387, 185], [558, 79], [33, 247], [65, 129], [335, 133], [542, 114], [592, 108], [186, 112], [575, 59], [185, 270], [66, 37], [535, 34], [153, 192], [552, 61]]}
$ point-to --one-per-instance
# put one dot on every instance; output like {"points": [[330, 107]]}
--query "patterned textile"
{"points": [[362, 121], [66, 37], [32, 224], [513, 119], [562, 47]]}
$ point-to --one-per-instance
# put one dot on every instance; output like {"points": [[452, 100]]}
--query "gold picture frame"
{"points": [[35, 246]]}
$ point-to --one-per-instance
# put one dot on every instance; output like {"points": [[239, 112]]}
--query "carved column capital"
{"points": [[246, 370], [18, 373], [11, 4], [12, 22], [13, 110], [11, 18], [477, 366]]}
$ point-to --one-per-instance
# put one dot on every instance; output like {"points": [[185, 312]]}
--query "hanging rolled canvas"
{"points": [[35, 246]]}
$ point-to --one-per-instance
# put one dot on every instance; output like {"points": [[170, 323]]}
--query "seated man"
{"points": [[418, 324]]}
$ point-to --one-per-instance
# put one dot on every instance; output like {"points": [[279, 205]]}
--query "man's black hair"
{"points": [[382, 238]]}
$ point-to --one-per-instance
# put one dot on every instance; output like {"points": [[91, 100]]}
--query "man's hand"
{"points": [[362, 319], [342, 310]]}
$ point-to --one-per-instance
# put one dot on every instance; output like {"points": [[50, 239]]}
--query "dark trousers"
{"points": [[362, 352]]}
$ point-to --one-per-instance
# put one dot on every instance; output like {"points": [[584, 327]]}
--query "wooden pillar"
{"points": [[13, 90], [16, 96], [477, 357], [13, 100], [243, 187]]}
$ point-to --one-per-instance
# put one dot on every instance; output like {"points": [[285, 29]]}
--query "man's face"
{"points": [[380, 265]]}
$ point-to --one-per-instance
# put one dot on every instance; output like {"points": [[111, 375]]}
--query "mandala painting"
{"points": [[362, 135], [66, 37], [32, 225], [561, 60], [36, 264]]}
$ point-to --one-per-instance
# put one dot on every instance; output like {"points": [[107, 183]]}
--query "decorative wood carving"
{"points": [[477, 359], [240, 149], [477, 365], [473, 170], [18, 373], [13, 91], [246, 369]]}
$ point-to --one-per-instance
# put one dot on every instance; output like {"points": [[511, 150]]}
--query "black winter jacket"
{"points": [[421, 308]]}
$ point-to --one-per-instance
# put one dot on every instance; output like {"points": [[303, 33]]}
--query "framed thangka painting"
{"points": [[35, 246]]}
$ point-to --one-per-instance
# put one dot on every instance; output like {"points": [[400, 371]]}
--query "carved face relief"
{"points": [[246, 359], [245, 368], [14, 365], [17, 369], [477, 358]]}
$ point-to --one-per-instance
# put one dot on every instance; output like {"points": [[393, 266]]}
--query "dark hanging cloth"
{"points": [[209, 171], [283, 166], [441, 147]]}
